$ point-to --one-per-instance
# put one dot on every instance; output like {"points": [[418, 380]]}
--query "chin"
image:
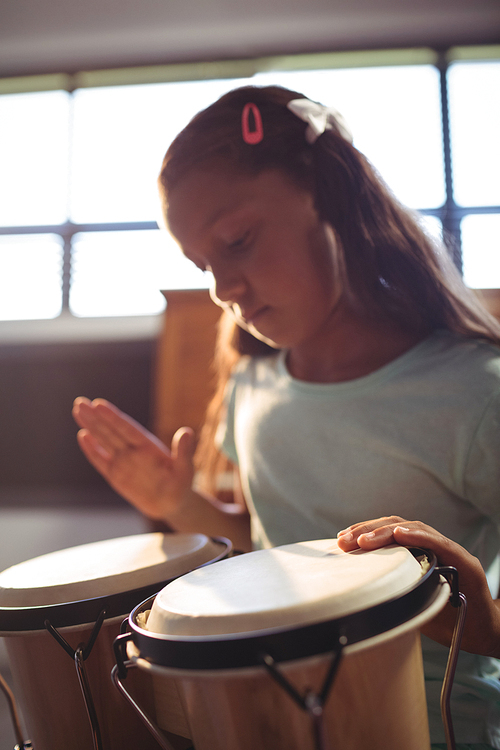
{"points": [[260, 336], [269, 342]]}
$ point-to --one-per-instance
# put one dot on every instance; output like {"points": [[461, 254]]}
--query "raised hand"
{"points": [[482, 625], [132, 460]]}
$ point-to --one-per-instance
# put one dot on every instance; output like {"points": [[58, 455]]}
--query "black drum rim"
{"points": [[86, 611], [239, 650]]}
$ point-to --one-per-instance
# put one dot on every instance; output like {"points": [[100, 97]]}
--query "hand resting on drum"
{"points": [[156, 480], [482, 625]]}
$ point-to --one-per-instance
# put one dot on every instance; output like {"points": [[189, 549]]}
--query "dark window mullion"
{"points": [[66, 270], [450, 217], [68, 233]]}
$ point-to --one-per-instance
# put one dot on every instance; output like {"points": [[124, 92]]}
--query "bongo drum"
{"points": [[293, 648], [63, 610]]}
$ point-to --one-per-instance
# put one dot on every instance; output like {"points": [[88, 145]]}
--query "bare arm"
{"points": [[156, 480], [482, 625]]}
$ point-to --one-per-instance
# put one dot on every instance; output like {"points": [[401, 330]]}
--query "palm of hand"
{"points": [[132, 460]]}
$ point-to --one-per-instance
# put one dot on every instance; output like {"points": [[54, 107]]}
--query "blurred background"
{"points": [[91, 94]]}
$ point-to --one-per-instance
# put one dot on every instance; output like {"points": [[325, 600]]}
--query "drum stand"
{"points": [[79, 656], [118, 674], [21, 744], [312, 703], [459, 601]]}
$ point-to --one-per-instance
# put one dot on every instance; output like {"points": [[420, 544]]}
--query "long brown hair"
{"points": [[389, 264]]}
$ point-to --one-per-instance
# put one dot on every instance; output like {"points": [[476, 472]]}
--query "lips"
{"points": [[252, 317]]}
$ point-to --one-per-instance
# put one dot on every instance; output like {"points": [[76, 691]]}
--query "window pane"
{"points": [[121, 273], [34, 158], [481, 251], [121, 135], [394, 114], [475, 126], [30, 276]]}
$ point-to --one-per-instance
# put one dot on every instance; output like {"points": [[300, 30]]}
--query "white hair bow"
{"points": [[319, 118]]}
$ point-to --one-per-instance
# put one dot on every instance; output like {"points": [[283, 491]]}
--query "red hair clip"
{"points": [[251, 136]]}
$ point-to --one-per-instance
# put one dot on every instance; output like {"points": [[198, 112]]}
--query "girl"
{"points": [[357, 376]]}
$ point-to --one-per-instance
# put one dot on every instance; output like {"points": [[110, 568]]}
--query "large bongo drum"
{"points": [[60, 614], [293, 648]]}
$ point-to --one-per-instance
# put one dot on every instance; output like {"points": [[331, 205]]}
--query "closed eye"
{"points": [[239, 242]]}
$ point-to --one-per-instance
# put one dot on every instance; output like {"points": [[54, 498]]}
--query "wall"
{"points": [[39, 456], [55, 36]]}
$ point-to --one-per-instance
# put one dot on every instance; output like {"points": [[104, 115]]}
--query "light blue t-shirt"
{"points": [[419, 438]]}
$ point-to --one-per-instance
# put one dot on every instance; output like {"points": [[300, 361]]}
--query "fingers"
{"points": [[80, 405], [94, 452], [183, 449], [96, 417], [111, 427], [380, 532], [406, 533], [367, 526], [448, 552], [369, 534], [184, 443]]}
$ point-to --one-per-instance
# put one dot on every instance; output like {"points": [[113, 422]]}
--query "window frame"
{"points": [[450, 213]]}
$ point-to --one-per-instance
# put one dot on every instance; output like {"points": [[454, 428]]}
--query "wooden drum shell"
{"points": [[376, 703], [49, 693]]}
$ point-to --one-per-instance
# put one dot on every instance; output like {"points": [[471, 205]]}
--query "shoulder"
{"points": [[472, 361], [460, 378]]}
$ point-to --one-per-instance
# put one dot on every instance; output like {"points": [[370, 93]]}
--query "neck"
{"points": [[350, 347]]}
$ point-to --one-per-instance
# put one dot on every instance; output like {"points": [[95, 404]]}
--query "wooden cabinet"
{"points": [[490, 298], [184, 380]]}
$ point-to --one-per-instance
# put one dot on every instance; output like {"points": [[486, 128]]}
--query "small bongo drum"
{"points": [[293, 648], [63, 610]]}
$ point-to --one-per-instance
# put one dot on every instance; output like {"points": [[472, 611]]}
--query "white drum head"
{"points": [[288, 586], [104, 568]]}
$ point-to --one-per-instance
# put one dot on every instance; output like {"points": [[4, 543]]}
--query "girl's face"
{"points": [[270, 255]]}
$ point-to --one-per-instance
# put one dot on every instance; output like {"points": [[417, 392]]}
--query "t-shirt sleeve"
{"points": [[482, 465], [224, 437]]}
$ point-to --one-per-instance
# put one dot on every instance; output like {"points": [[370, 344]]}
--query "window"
{"points": [[30, 286], [78, 200], [34, 158], [131, 268], [394, 114], [475, 124], [481, 250]]}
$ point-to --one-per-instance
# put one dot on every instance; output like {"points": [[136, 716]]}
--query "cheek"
{"points": [[314, 272], [327, 261], [297, 262]]}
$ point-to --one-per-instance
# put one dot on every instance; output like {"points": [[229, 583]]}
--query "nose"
{"points": [[228, 287]]}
